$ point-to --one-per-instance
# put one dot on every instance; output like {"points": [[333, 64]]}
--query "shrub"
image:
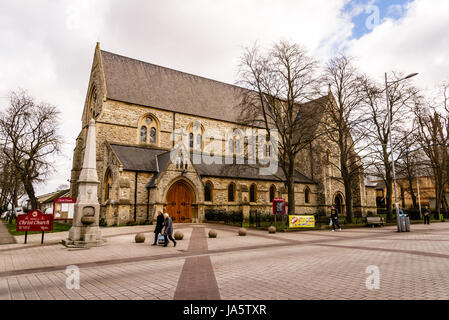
{"points": [[102, 222]]}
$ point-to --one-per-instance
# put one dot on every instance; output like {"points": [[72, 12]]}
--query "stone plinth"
{"points": [[85, 231]]}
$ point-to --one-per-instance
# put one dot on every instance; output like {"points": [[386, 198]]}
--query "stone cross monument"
{"points": [[85, 231]]}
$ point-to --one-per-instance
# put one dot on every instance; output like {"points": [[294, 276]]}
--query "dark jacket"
{"points": [[334, 214], [159, 223], [168, 226]]}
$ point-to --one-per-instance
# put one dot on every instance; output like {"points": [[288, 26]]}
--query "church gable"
{"points": [[96, 91]]}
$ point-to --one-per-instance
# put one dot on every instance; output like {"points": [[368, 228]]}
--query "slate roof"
{"points": [[244, 171], [138, 82], [52, 196], [135, 158], [143, 83]]}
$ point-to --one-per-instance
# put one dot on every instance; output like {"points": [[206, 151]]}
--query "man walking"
{"points": [[426, 215], [159, 226], [168, 223], [334, 218]]}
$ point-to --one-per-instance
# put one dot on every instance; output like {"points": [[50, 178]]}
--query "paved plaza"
{"points": [[290, 265]]}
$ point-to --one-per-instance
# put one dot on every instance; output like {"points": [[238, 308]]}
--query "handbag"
{"points": [[330, 222], [161, 239]]}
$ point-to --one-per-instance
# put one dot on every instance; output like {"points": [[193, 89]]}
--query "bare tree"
{"points": [[29, 137], [402, 97], [412, 164], [344, 121], [280, 83], [10, 184], [433, 137]]}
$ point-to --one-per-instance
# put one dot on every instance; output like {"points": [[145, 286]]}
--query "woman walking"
{"points": [[168, 223]]}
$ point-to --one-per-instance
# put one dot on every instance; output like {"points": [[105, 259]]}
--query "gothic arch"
{"points": [[339, 201], [148, 130]]}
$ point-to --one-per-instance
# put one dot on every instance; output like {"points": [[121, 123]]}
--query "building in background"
{"points": [[406, 192], [63, 211]]}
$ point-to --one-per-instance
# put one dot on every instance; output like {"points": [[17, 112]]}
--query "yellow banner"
{"points": [[301, 221]]}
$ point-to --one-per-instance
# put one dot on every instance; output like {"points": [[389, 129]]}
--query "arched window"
{"points": [[208, 191], [272, 193], [107, 185], [199, 141], [148, 130], [181, 161], [143, 134], [231, 192], [153, 135], [191, 140], [231, 146], [237, 146], [253, 193], [307, 195]]}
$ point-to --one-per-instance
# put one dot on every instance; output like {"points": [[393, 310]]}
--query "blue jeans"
{"points": [[155, 237], [335, 222]]}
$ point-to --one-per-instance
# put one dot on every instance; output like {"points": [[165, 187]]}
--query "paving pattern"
{"points": [[197, 280], [291, 265]]}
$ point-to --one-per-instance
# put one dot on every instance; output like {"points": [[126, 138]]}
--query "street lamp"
{"points": [[398, 220]]}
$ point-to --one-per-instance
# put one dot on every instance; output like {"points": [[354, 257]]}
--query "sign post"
{"points": [[278, 208], [34, 220]]}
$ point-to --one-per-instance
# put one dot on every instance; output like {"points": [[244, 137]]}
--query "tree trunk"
{"points": [[291, 188], [412, 193], [29, 189], [348, 193], [389, 197]]}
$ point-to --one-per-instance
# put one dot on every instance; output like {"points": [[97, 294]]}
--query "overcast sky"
{"points": [[47, 47]]}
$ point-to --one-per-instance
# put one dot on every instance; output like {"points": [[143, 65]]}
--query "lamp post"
{"points": [[398, 220]]}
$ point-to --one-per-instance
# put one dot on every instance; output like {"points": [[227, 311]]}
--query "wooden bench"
{"points": [[374, 221]]}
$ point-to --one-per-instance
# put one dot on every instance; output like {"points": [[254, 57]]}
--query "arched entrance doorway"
{"points": [[339, 203], [179, 201]]}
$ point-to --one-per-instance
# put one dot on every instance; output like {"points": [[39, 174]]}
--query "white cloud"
{"points": [[418, 42]]}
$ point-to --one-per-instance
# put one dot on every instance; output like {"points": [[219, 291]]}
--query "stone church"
{"points": [[138, 107]]}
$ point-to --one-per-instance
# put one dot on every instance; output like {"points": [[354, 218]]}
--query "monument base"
{"points": [[84, 236], [82, 244]]}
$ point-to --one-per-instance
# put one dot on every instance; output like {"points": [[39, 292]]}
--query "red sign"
{"points": [[34, 220], [64, 200], [278, 206]]}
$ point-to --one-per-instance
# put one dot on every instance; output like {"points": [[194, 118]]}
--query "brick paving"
{"points": [[197, 280], [291, 265]]}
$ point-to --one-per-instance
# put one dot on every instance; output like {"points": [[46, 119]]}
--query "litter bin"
{"points": [[402, 222], [407, 223]]}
